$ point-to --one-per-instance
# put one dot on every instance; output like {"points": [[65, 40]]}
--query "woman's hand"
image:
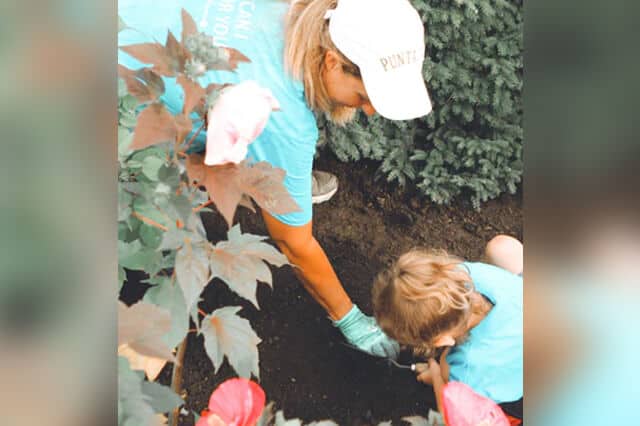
{"points": [[363, 332]]}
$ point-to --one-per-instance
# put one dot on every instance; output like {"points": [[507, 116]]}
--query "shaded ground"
{"points": [[303, 366]]}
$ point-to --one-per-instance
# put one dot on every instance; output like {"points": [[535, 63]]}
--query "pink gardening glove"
{"points": [[236, 402], [237, 118], [463, 407]]}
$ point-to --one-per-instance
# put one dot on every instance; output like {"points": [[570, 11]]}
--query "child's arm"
{"points": [[444, 365], [435, 374], [438, 381]]}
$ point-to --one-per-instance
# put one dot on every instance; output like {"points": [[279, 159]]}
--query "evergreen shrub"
{"points": [[471, 143]]}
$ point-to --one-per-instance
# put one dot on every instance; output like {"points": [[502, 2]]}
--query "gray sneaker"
{"points": [[323, 186]]}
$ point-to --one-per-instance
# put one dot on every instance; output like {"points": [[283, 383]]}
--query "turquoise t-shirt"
{"points": [[491, 360], [256, 29]]}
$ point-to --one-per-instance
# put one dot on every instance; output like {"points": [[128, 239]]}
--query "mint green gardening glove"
{"points": [[364, 333]]}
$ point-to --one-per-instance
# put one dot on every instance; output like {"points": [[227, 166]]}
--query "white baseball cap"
{"points": [[385, 39]]}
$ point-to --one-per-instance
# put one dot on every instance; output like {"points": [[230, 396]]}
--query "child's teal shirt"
{"points": [[491, 360], [256, 29]]}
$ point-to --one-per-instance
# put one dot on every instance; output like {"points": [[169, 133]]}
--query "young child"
{"points": [[458, 404], [430, 300]]}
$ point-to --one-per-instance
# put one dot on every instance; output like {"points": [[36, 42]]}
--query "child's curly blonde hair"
{"points": [[422, 295]]}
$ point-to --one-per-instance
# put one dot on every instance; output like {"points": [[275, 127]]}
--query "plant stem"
{"points": [[176, 380], [202, 206], [194, 137], [149, 221]]}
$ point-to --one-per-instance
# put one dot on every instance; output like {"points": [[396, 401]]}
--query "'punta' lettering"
{"points": [[398, 59]]}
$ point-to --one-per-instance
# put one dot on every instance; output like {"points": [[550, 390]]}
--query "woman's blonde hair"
{"points": [[307, 40], [422, 295]]}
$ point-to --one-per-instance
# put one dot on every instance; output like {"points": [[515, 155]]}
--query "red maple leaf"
{"points": [[155, 125], [193, 93], [189, 26], [144, 84]]}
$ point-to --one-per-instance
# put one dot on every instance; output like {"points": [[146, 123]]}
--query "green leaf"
{"points": [[227, 334], [239, 262], [169, 296], [135, 256], [267, 416], [170, 175], [150, 167], [142, 326], [150, 236], [254, 246], [179, 207], [128, 121], [125, 137], [134, 408], [122, 91], [281, 421], [153, 151], [124, 232], [161, 398], [144, 207], [124, 204], [192, 269], [435, 419], [173, 239], [195, 224], [122, 276]]}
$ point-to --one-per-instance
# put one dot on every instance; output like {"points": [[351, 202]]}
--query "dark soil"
{"points": [[304, 367]]}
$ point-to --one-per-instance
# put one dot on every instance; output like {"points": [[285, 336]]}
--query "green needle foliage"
{"points": [[471, 143]]}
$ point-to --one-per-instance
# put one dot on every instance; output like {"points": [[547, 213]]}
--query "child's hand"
{"points": [[426, 371], [423, 373]]}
